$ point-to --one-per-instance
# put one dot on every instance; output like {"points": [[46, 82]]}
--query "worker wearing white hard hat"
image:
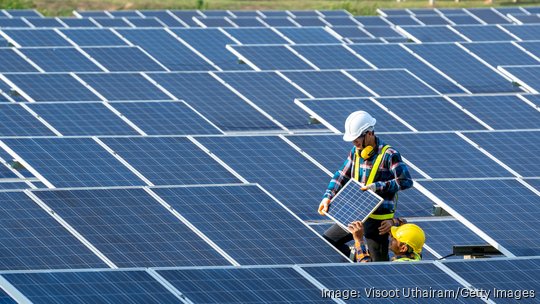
{"points": [[379, 168]]}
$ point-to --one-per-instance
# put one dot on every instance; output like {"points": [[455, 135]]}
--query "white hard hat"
{"points": [[357, 123]]}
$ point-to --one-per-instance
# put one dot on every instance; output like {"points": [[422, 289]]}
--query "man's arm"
{"points": [[361, 253], [402, 178]]}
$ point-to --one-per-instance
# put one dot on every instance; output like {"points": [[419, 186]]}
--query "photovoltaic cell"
{"points": [[462, 19], [93, 37], [41, 22], [124, 86], [215, 101], [247, 22], [308, 35], [402, 20], [432, 19], [17, 121], [164, 17], [32, 239], [78, 22], [144, 22], [392, 83], [124, 13], [488, 16], [131, 228], [244, 285], [350, 32], [433, 33], [23, 13], [484, 33], [91, 286], [12, 62], [118, 59], [529, 75], [60, 60], [112, 22], [304, 13], [383, 31], [245, 13], [36, 37], [256, 36], [73, 162], [275, 13], [272, 57], [341, 21], [187, 16], [170, 160], [213, 22], [279, 22], [525, 31], [275, 167], [330, 57], [310, 21], [93, 13], [371, 20], [336, 13], [252, 218], [501, 53], [5, 298], [13, 23], [321, 84], [82, 119]]}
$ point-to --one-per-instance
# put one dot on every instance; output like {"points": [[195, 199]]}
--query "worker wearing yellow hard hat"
{"points": [[406, 241]]}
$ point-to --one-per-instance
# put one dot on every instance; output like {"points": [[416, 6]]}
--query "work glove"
{"points": [[371, 187], [323, 206]]}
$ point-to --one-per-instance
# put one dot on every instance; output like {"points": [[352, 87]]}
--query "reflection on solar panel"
{"points": [[470, 73], [308, 35], [79, 119], [392, 83], [484, 33], [431, 114], [244, 285], [73, 162], [124, 86], [525, 32], [272, 57], [16, 121], [131, 228], [165, 118], [275, 165], [36, 37], [323, 84], [251, 218], [437, 154], [330, 57], [60, 60], [526, 75], [124, 59], [213, 100], [352, 204], [170, 160], [52, 87], [93, 37], [12, 62], [91, 286], [502, 53], [256, 36], [433, 33], [166, 49]]}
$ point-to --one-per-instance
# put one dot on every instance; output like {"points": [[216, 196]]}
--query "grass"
{"points": [[357, 7]]}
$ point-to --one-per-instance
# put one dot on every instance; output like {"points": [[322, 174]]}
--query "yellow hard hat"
{"points": [[411, 235]]}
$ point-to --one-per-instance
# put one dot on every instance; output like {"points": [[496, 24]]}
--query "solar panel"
{"points": [[392, 82], [247, 22], [501, 112], [471, 73], [82, 119], [216, 13], [111, 22], [501, 53], [165, 118], [52, 87], [124, 86], [462, 19], [393, 12], [213, 21], [93, 13], [488, 16], [241, 218], [187, 16], [382, 31], [431, 114], [211, 43], [433, 33], [329, 13], [170, 160], [526, 75], [304, 13], [41, 22], [432, 19], [118, 59], [60, 60], [12, 62], [166, 49], [500, 143], [245, 13], [494, 206], [32, 239], [308, 35], [164, 16], [91, 286], [273, 13], [23, 13], [271, 57], [144, 22], [532, 9], [525, 31], [371, 20], [438, 154], [73, 162], [5, 172], [321, 84], [13, 23], [244, 285], [213, 100], [274, 95], [77, 22], [402, 20], [36, 37], [341, 21], [16, 121], [93, 37], [276, 168], [310, 21], [131, 228], [394, 56], [124, 13], [279, 22], [330, 57], [256, 36], [484, 33], [5, 298], [350, 32]]}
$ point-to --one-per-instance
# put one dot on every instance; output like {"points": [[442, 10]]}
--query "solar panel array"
{"points": [[166, 156]]}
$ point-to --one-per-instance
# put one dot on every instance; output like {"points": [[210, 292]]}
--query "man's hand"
{"points": [[371, 187], [385, 226], [357, 230], [323, 206]]}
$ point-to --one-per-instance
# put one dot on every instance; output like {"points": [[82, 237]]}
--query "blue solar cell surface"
{"points": [[462, 19], [393, 56], [529, 75], [52, 87], [246, 22], [304, 13], [12, 62], [433, 33], [131, 228], [252, 218], [60, 60], [244, 13], [308, 35], [431, 114], [111, 22], [256, 36], [330, 57], [273, 13], [501, 112], [5, 298], [213, 22], [525, 32], [402, 20], [274, 95], [213, 100], [438, 154], [244, 285], [124, 86], [93, 37], [329, 84], [165, 118], [329, 13], [392, 83], [502, 53], [91, 286], [144, 22], [432, 19], [73, 162], [23, 13], [13, 22], [341, 21], [82, 119], [350, 32], [484, 33], [36, 37], [279, 22], [371, 20], [170, 160], [470, 73], [187, 16], [310, 21], [78, 22], [275, 165], [17, 121], [272, 57], [382, 31], [494, 206], [166, 49], [93, 13], [120, 59], [488, 16], [164, 17], [44, 22], [32, 239]]}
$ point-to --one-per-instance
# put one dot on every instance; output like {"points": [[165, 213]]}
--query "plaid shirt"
{"points": [[392, 176]]}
